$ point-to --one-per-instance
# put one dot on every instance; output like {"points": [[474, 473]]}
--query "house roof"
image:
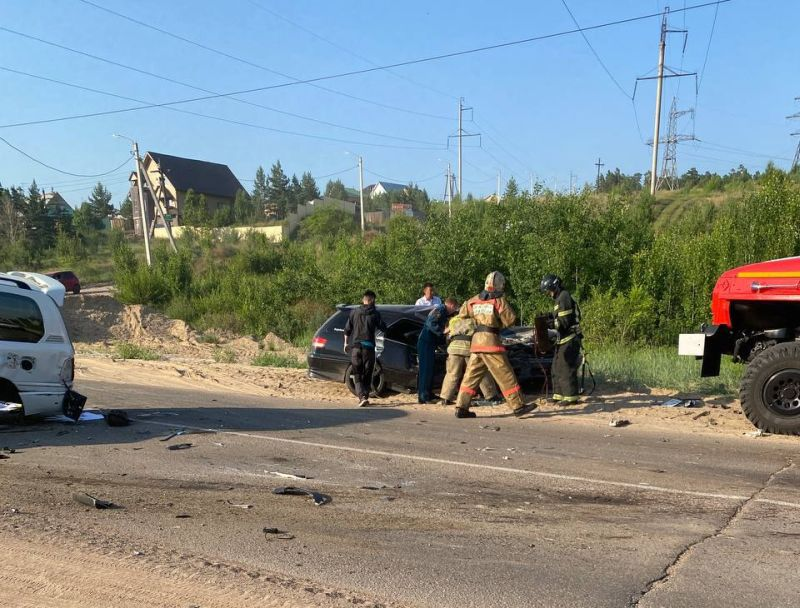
{"points": [[391, 187], [202, 176]]}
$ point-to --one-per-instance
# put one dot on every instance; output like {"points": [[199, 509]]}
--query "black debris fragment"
{"points": [[276, 533], [117, 418], [318, 498], [179, 446], [91, 501]]}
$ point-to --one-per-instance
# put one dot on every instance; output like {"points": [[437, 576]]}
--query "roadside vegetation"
{"points": [[129, 350]]}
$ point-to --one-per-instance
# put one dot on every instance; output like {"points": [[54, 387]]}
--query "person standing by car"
{"points": [[429, 297], [566, 318], [491, 312], [359, 338], [430, 337], [459, 332]]}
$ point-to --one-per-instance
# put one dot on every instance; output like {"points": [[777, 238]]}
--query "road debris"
{"points": [[92, 501], [276, 534], [700, 415], [239, 506], [86, 416], [757, 433], [117, 418], [490, 427], [173, 434], [289, 475], [681, 403], [180, 446], [183, 516], [619, 422], [318, 498]]}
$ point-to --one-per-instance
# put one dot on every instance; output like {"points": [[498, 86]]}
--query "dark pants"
{"points": [[565, 371], [426, 349], [363, 362]]}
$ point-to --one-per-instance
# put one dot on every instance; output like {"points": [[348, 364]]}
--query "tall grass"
{"points": [[638, 369]]}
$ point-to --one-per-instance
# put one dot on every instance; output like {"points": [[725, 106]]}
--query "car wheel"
{"points": [[770, 389], [378, 381], [76, 290]]}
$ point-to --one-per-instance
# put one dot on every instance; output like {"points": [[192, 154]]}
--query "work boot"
{"points": [[446, 402], [525, 409], [364, 402], [465, 413]]}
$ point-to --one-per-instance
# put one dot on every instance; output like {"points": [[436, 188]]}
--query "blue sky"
{"points": [[545, 109]]}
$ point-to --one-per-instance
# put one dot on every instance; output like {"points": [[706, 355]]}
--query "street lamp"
{"points": [[140, 187]]}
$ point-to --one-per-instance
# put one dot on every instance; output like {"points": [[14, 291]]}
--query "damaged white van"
{"points": [[37, 360]]}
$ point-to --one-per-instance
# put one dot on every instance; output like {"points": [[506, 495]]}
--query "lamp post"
{"points": [[142, 206]]}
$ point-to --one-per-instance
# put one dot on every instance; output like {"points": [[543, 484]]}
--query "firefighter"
{"points": [[491, 313], [359, 341], [460, 333], [565, 319]]}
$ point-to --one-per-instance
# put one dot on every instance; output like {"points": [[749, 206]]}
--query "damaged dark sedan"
{"points": [[396, 367]]}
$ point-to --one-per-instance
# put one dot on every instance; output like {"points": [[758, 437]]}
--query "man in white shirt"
{"points": [[428, 299]]}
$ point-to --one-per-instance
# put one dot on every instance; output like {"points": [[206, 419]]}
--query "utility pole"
{"points": [[571, 176], [448, 192], [361, 190], [796, 161], [669, 168], [498, 186], [659, 78], [142, 204], [598, 164], [460, 135]]}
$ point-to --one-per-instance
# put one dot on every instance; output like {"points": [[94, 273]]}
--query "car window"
{"points": [[404, 330], [20, 319]]}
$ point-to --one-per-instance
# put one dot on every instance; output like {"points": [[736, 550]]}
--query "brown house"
{"points": [[173, 176]]}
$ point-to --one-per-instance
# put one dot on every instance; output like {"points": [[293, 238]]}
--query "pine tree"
{"points": [[335, 189], [40, 227], [309, 186], [278, 192], [195, 210], [295, 194], [243, 209], [260, 196], [512, 190], [100, 204]]}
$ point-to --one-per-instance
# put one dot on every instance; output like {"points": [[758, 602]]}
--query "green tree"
{"points": [[39, 226], [325, 224], [512, 190], [100, 204], [309, 187], [295, 194], [195, 209], [260, 196], [335, 189], [278, 191], [243, 208]]}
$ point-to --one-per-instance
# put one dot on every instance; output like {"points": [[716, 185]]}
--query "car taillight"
{"points": [[68, 370], [319, 343]]}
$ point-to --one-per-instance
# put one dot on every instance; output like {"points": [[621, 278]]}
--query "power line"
{"points": [[400, 181], [346, 50], [368, 70], [201, 115], [708, 47], [190, 86], [56, 169], [595, 53], [253, 64], [503, 148], [740, 150]]}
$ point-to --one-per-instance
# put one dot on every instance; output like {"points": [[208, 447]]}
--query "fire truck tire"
{"points": [[770, 389]]}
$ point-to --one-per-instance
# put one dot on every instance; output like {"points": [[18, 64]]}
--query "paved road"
{"points": [[427, 510]]}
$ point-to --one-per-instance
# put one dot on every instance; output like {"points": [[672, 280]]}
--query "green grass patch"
{"points": [[224, 355], [128, 350], [270, 359], [637, 369]]}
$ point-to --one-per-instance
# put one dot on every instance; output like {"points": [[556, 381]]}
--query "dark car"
{"points": [[68, 279], [396, 368]]}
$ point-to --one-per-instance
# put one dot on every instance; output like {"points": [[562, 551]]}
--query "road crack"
{"points": [[671, 569]]}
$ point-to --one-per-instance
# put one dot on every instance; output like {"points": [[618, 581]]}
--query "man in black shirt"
{"points": [[359, 338]]}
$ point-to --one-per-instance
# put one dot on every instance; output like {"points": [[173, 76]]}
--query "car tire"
{"points": [[770, 389], [76, 290], [378, 381]]}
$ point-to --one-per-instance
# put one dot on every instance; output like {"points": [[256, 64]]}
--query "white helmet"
{"points": [[495, 281]]}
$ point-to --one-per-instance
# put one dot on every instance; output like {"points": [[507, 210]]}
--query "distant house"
{"points": [[380, 188], [55, 205], [213, 180], [352, 195]]}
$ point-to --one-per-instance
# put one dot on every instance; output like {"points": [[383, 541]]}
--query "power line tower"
{"points": [[796, 161], [669, 165], [659, 78], [598, 164], [460, 135]]}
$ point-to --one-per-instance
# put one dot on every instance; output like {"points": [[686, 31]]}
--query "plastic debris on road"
{"points": [[92, 501], [620, 422], [318, 498], [86, 416], [277, 534], [681, 403], [288, 475], [179, 446]]}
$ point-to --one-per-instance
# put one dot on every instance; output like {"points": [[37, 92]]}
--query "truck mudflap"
{"points": [[709, 346]]}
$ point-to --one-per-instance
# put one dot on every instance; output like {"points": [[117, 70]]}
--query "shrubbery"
{"points": [[635, 284]]}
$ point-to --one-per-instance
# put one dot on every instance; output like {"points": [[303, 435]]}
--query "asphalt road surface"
{"points": [[426, 510]]}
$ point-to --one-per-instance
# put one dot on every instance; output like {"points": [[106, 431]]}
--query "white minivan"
{"points": [[37, 360]]}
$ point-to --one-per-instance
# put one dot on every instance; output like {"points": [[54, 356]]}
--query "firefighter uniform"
{"points": [[567, 360], [461, 331], [491, 313]]}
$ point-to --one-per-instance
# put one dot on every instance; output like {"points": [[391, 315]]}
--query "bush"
{"points": [[128, 350], [271, 359], [142, 286], [224, 355]]}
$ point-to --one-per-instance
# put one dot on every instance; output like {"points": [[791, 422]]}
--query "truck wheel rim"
{"points": [[782, 392]]}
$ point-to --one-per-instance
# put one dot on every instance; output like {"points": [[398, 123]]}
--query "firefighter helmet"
{"points": [[495, 281], [550, 283]]}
